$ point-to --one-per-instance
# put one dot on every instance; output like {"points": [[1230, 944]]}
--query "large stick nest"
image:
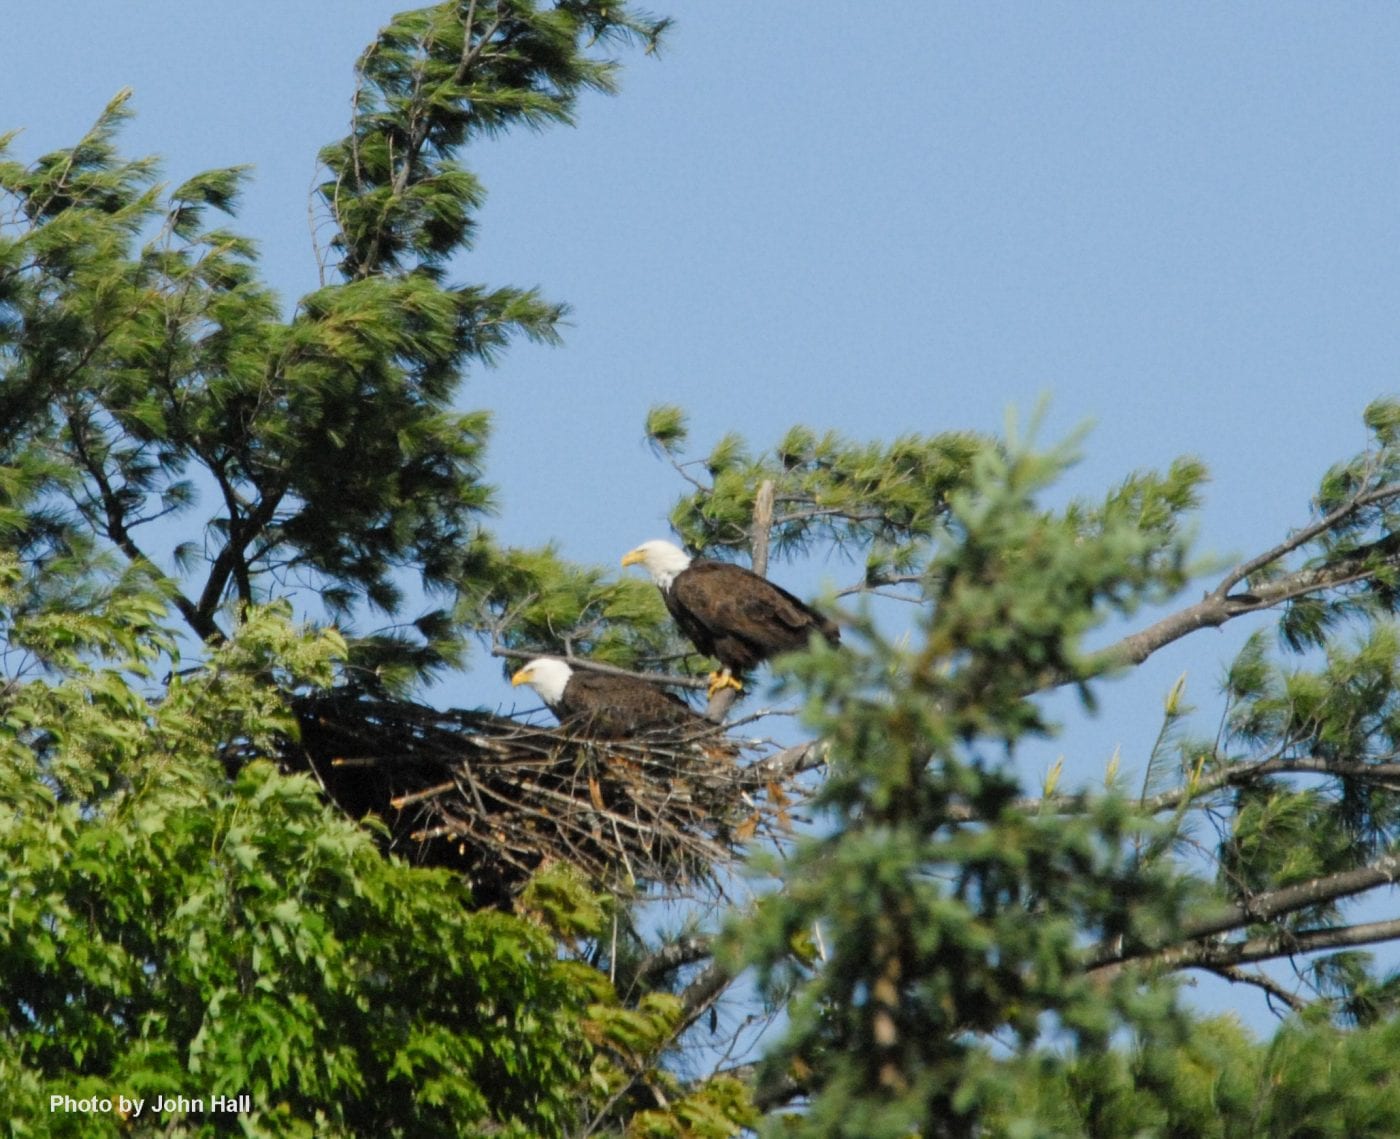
{"points": [[495, 798]]}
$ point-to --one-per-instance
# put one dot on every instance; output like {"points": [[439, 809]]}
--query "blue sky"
{"points": [[1177, 221]]}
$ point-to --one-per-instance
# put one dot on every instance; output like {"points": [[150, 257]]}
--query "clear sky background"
{"points": [[1179, 222]]}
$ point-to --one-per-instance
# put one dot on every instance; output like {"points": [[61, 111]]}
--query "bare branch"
{"points": [[829, 512], [1307, 534], [1224, 957], [762, 529], [877, 591], [1261, 981], [1241, 773], [1287, 942], [783, 765], [1329, 888], [719, 704], [702, 992]]}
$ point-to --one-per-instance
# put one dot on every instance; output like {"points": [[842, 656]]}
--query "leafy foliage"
{"points": [[167, 926]]}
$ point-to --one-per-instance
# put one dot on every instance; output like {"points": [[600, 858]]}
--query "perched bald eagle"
{"points": [[730, 613], [608, 707]]}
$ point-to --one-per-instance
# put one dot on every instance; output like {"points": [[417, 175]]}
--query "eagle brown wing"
{"points": [[619, 706], [742, 619]]}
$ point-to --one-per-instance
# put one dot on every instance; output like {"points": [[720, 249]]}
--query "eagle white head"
{"points": [[663, 560], [546, 676]]}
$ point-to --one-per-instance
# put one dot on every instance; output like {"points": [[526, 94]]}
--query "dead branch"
{"points": [[762, 530]]}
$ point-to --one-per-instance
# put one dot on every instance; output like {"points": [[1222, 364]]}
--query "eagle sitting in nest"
{"points": [[604, 706]]}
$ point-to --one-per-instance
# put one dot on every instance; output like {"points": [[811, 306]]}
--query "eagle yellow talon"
{"points": [[722, 679]]}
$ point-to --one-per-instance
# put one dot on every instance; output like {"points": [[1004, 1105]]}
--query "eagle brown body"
{"points": [[739, 618], [728, 612], [604, 706]]}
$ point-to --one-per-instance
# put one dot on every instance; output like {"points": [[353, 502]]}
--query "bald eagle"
{"points": [[605, 706], [730, 613]]}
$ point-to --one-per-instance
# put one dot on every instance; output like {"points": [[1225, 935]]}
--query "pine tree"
{"points": [[945, 942], [151, 375]]}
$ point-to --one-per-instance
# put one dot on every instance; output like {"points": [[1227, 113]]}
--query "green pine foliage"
{"points": [[944, 927], [435, 79], [879, 502], [956, 958], [533, 600], [150, 374], [1220, 1083]]}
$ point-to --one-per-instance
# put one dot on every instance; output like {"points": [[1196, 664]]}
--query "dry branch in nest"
{"points": [[494, 798]]}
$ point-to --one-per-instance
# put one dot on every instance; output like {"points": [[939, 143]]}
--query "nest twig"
{"points": [[495, 799]]}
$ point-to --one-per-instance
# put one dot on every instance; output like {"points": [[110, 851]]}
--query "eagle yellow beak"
{"points": [[520, 677], [633, 558]]}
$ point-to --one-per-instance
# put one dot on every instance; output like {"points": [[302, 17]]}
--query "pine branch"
{"points": [[1281, 943], [1238, 774], [846, 513], [1257, 910], [1224, 957], [118, 532], [1234, 775], [1287, 899], [1348, 509], [1220, 605]]}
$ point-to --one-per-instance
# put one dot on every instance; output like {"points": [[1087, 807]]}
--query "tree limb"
{"points": [[1302, 537], [1261, 981], [702, 992], [762, 529], [686, 951], [1220, 605], [1261, 908], [1234, 774], [1240, 773], [120, 536], [1224, 957], [783, 765]]}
